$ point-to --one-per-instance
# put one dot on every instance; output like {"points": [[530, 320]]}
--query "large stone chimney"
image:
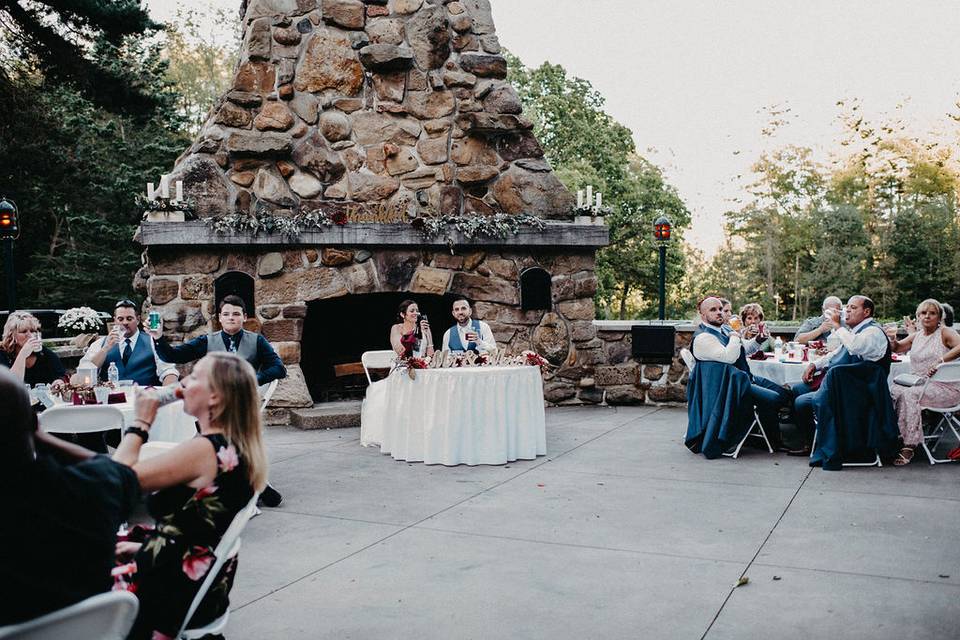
{"points": [[402, 102], [391, 110]]}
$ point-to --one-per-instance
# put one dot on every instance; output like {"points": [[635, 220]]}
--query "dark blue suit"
{"points": [[766, 395], [853, 407]]}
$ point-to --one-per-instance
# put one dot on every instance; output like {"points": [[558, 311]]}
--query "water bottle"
{"points": [[166, 395], [113, 374], [778, 347]]}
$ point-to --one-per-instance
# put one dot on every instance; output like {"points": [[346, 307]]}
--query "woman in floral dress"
{"points": [[930, 346], [199, 486]]}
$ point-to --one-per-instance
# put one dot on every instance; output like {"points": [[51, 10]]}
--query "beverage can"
{"points": [[39, 347], [153, 319]]}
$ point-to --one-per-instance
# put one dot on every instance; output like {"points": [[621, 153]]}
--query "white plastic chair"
{"points": [[377, 360], [266, 392], [70, 418], [948, 372], [756, 428], [153, 449], [228, 547], [105, 616]]}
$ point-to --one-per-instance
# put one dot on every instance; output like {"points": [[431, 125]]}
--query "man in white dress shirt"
{"points": [[468, 334], [715, 341], [132, 351], [863, 341]]}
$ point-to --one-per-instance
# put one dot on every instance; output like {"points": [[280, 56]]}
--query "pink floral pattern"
{"points": [[197, 562], [227, 458]]}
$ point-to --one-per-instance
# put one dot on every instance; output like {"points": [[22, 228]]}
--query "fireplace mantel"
{"points": [[198, 233]]}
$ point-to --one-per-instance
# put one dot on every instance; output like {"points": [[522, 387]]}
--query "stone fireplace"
{"points": [[381, 112]]}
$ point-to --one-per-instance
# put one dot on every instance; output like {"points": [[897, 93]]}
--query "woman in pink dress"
{"points": [[930, 346]]}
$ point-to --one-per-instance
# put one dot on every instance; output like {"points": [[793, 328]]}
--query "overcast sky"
{"points": [[690, 78]]}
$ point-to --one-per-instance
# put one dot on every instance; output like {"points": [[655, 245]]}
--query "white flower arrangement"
{"points": [[80, 319]]}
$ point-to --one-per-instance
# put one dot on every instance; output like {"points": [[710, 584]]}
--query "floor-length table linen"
{"points": [[450, 416]]}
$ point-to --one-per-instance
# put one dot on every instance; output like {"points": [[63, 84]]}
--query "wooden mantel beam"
{"points": [[197, 233]]}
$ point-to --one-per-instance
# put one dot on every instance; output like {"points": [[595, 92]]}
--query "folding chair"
{"points": [[874, 463], [376, 360], [70, 418], [755, 426], [948, 372], [105, 616], [266, 392], [228, 547]]}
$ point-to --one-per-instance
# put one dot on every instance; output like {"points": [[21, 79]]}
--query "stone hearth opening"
{"points": [[338, 330]]}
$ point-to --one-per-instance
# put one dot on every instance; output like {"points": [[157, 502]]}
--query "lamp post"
{"points": [[661, 233], [9, 231]]}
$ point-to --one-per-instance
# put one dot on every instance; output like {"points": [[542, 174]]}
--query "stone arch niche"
{"points": [[234, 283], [535, 290]]}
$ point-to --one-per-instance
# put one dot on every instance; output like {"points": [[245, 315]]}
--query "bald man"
{"points": [[820, 327], [715, 341]]}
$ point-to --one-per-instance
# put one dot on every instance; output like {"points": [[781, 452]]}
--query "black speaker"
{"points": [[653, 344]]}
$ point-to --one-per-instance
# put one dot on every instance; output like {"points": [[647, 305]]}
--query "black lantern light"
{"points": [[9, 222], [9, 231], [661, 233]]}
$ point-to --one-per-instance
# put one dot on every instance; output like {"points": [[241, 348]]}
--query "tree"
{"points": [[201, 46], [77, 42], [78, 170], [588, 147]]}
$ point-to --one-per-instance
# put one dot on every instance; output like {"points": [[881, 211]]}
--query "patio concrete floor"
{"points": [[619, 532]]}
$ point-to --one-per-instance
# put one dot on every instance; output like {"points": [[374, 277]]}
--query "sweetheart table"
{"points": [[451, 416]]}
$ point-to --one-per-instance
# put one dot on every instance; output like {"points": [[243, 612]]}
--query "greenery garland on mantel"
{"points": [[499, 225]]}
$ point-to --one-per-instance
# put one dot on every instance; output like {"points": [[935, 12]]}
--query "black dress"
{"points": [[178, 553], [45, 370]]}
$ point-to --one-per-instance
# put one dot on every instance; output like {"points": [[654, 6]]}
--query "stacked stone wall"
{"points": [[179, 283]]}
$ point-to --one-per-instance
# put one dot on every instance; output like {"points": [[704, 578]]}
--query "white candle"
{"points": [[165, 186], [179, 190], [589, 194], [579, 198], [151, 192], [599, 200]]}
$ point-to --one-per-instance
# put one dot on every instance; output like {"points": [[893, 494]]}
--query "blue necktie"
{"points": [[125, 356]]}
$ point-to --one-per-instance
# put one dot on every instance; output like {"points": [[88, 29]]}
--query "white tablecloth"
{"points": [[470, 415], [792, 372], [170, 425]]}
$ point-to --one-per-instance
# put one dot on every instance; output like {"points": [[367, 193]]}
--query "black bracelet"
{"points": [[137, 431]]}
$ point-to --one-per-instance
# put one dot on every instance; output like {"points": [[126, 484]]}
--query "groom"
{"points": [[468, 334]]}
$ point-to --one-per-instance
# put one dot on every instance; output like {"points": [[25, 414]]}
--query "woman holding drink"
{"points": [[930, 345], [754, 327], [23, 351], [411, 336]]}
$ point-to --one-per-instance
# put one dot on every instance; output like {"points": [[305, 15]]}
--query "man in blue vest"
{"points": [[468, 334], [252, 347], [715, 341], [129, 349], [863, 341]]}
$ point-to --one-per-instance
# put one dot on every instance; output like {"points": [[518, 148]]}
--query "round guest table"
{"points": [[172, 424], [791, 371], [468, 415]]}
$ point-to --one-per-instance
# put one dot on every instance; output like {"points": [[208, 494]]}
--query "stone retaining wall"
{"points": [[621, 380]]}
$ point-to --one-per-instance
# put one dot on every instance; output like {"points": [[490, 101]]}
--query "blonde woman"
{"points": [[199, 487], [754, 329], [930, 346], [22, 351]]}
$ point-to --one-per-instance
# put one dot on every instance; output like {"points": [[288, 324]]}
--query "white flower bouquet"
{"points": [[80, 320]]}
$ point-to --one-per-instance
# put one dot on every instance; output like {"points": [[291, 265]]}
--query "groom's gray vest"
{"points": [[247, 349]]}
